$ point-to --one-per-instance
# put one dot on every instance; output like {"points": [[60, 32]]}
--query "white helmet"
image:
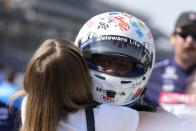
{"points": [[117, 34]]}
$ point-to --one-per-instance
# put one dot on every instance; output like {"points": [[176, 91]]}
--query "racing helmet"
{"points": [[122, 41]]}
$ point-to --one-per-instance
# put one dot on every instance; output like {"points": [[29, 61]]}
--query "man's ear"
{"points": [[173, 36], [173, 39]]}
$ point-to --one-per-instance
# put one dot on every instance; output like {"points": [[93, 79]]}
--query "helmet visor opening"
{"points": [[113, 64], [120, 57], [116, 65]]}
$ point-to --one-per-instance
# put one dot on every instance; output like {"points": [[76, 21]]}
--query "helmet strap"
{"points": [[141, 106]]}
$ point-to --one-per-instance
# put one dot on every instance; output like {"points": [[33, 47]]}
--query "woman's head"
{"points": [[57, 82]]}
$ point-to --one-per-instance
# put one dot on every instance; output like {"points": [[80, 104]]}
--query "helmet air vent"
{"points": [[100, 77], [126, 82]]}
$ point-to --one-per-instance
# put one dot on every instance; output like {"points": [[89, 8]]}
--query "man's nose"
{"points": [[189, 41], [113, 68]]}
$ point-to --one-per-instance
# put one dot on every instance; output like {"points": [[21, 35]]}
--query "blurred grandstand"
{"points": [[24, 23]]}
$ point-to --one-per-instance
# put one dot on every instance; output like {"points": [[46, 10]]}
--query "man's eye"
{"points": [[124, 66], [102, 62]]}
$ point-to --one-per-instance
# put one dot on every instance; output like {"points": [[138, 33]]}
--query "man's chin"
{"points": [[188, 59]]}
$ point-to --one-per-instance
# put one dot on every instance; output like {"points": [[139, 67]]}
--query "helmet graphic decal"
{"points": [[102, 25], [109, 99], [120, 22]]}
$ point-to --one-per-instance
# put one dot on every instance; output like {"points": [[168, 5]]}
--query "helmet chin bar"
{"points": [[113, 90]]}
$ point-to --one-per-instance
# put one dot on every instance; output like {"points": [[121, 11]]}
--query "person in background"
{"points": [[166, 87], [191, 87], [8, 118], [58, 94], [187, 109], [119, 50], [188, 115]]}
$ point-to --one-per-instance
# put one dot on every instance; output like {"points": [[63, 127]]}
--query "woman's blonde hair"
{"points": [[57, 82]]}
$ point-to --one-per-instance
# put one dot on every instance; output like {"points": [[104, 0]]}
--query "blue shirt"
{"points": [[9, 119], [167, 76]]}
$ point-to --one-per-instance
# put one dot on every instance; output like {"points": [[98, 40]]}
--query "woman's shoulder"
{"points": [[122, 118], [116, 109], [154, 120], [160, 113]]}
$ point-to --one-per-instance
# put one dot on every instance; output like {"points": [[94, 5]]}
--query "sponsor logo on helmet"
{"points": [[109, 99], [137, 25], [92, 37]]}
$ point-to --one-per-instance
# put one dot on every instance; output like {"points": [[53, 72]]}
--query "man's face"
{"points": [[113, 65], [185, 44]]}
